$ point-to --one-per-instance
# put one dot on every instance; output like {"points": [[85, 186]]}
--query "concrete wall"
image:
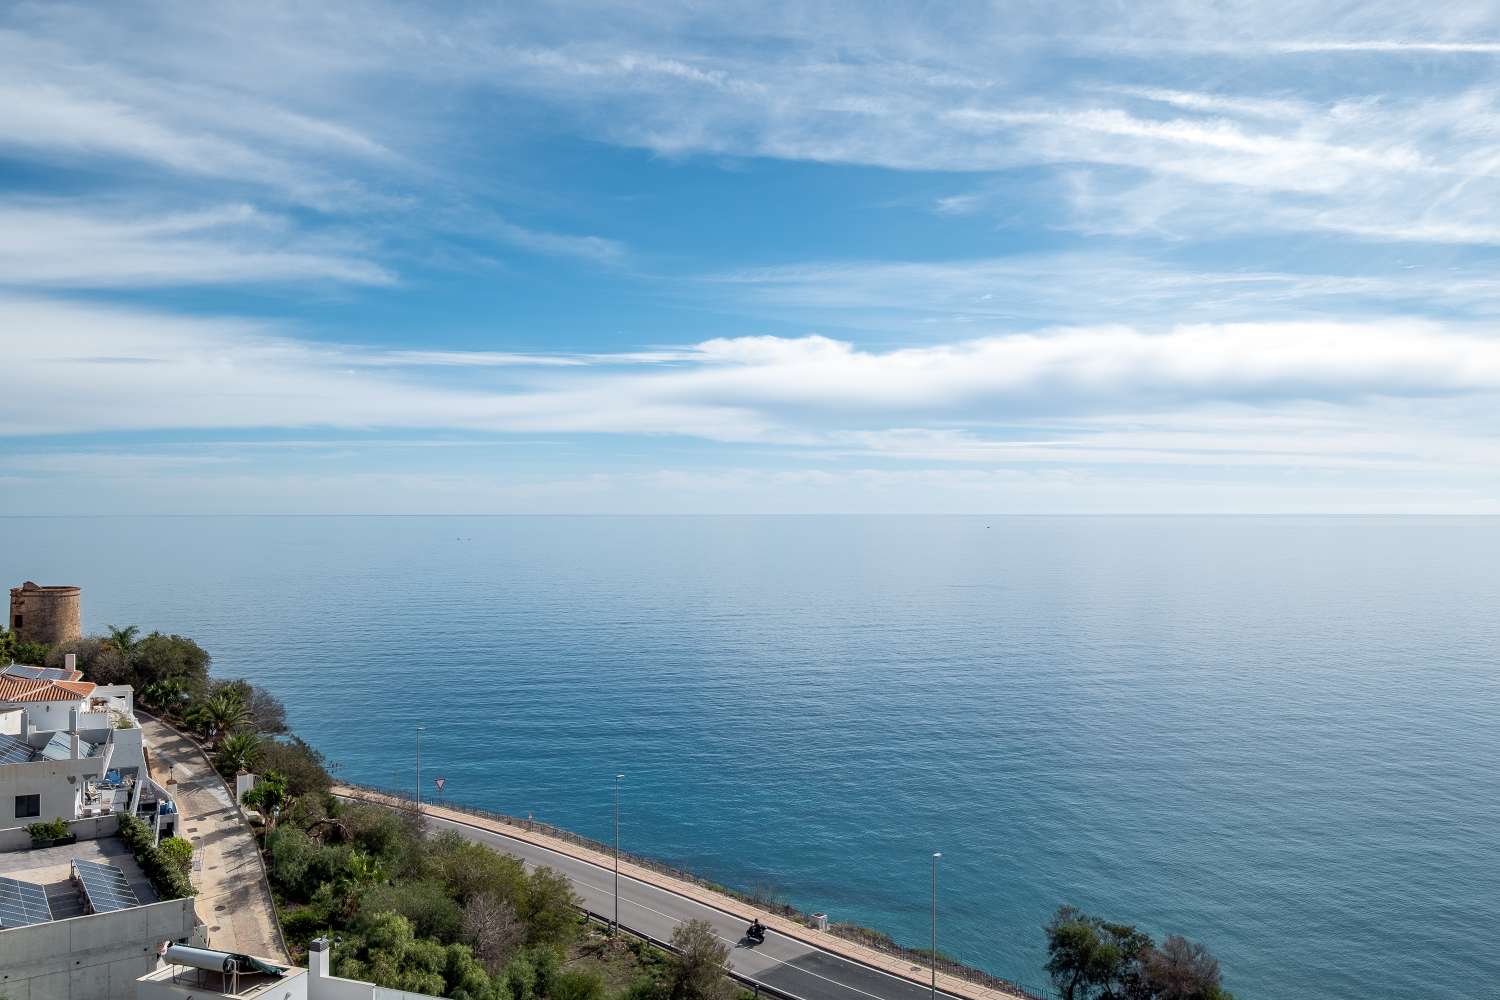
{"points": [[97, 957], [47, 716], [93, 828], [161, 987], [126, 749], [49, 779]]}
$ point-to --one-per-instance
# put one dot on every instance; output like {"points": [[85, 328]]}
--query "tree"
{"points": [[267, 713], [166, 695], [225, 713], [268, 797], [99, 661], [549, 908], [1183, 970], [124, 641], [432, 912], [493, 929], [159, 656], [1089, 958], [305, 768], [698, 973], [237, 752], [470, 869]]}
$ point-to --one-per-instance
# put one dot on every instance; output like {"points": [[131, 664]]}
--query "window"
{"points": [[28, 806], [18, 622]]}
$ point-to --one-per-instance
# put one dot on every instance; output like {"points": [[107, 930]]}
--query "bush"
{"points": [[178, 852], [390, 836], [305, 769], [169, 881], [159, 657], [550, 909], [290, 851], [432, 912], [698, 973], [470, 870], [52, 829], [302, 926], [578, 985]]}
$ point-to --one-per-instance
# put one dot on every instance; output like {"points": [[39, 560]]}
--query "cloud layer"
{"points": [[1182, 243]]}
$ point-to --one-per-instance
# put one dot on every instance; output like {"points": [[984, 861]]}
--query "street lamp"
{"points": [[419, 769], [935, 856], [615, 929]]}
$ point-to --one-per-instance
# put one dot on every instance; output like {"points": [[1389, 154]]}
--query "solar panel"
{"points": [[13, 750], [104, 886], [60, 747], [22, 903], [30, 673]]}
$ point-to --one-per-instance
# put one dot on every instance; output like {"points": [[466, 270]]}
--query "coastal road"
{"points": [[782, 963]]}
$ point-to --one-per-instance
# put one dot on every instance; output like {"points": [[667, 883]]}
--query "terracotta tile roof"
{"points": [[25, 689]]}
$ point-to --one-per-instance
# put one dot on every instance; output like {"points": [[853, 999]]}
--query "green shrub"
{"points": [[578, 985], [302, 926], [306, 769], [52, 829], [178, 852], [432, 912], [170, 881]]}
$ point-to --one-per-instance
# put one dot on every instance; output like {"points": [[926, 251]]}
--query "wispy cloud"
{"points": [[1077, 397], [99, 245]]}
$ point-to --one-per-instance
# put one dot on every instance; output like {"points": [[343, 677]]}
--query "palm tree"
{"points": [[238, 752], [166, 694], [225, 712], [124, 641]]}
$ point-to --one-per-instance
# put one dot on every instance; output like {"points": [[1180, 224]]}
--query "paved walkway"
{"points": [[233, 898], [796, 959]]}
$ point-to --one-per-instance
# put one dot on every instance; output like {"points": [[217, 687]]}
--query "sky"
{"points": [[749, 258]]}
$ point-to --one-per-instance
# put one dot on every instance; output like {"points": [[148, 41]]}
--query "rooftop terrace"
{"points": [[52, 869]]}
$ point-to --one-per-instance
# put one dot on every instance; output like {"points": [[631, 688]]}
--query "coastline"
{"points": [[864, 945]]}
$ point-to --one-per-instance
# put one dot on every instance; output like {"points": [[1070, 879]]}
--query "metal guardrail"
{"points": [[872, 939], [756, 985]]}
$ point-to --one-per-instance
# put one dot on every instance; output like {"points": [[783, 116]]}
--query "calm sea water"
{"points": [[1280, 736]]}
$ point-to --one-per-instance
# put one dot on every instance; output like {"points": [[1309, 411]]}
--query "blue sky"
{"points": [[748, 257]]}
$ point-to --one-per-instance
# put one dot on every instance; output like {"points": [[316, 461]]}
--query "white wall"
{"points": [[47, 715], [97, 957], [161, 987], [127, 745], [49, 779], [90, 828]]}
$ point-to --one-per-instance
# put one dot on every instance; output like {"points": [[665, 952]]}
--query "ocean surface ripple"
{"points": [[1280, 736]]}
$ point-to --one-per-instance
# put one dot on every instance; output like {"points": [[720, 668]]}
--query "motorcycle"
{"points": [[756, 933]]}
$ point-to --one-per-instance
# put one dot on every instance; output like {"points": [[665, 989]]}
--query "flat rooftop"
{"points": [[52, 869], [183, 980]]}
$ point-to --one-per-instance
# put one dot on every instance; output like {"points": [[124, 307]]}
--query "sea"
{"points": [[1279, 736]]}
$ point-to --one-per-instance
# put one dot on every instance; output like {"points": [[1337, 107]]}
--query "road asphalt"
{"points": [[782, 963]]}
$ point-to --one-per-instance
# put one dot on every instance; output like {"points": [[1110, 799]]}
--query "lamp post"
{"points": [[615, 928], [419, 769], [935, 856]]}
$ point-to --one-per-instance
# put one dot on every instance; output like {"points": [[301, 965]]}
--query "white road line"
{"points": [[908, 983]]}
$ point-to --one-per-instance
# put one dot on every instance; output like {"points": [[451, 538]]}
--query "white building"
{"points": [[82, 922], [198, 973], [69, 749]]}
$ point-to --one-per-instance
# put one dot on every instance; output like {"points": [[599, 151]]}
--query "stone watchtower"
{"points": [[45, 614]]}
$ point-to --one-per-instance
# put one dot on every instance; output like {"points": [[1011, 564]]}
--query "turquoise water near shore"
{"points": [[1280, 736]]}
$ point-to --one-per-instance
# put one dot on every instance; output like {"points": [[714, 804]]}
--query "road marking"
{"points": [[910, 984]]}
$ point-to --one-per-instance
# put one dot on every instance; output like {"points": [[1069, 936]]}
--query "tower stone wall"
{"points": [[46, 614]]}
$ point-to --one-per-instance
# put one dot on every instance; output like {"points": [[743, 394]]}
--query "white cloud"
{"points": [[68, 244], [1400, 397]]}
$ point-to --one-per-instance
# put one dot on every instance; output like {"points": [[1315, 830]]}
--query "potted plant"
{"points": [[49, 833]]}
